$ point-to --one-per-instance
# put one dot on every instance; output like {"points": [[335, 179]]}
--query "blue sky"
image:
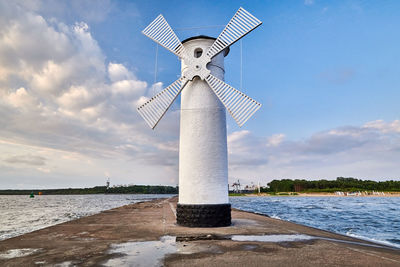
{"points": [[337, 58], [71, 73]]}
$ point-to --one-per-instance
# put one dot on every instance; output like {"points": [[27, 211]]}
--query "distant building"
{"points": [[108, 183]]}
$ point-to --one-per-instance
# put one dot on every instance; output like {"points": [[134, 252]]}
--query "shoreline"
{"points": [[288, 194]]}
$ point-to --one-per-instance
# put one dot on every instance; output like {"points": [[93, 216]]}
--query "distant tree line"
{"points": [[340, 184], [131, 189]]}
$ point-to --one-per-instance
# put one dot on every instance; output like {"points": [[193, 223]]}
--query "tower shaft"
{"points": [[203, 164]]}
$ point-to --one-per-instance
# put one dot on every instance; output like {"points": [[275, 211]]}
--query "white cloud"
{"points": [[129, 87], [119, 72], [59, 92], [275, 139], [51, 77], [21, 99], [386, 127], [236, 136], [75, 97], [26, 159], [368, 151]]}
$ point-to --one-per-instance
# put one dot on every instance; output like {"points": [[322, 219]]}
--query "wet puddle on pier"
{"points": [[151, 253], [16, 253]]}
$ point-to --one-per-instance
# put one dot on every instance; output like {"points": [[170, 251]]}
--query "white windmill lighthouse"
{"points": [[203, 165]]}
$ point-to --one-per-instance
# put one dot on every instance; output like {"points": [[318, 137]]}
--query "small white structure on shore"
{"points": [[203, 165]]}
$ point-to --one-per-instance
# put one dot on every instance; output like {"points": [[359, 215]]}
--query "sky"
{"points": [[73, 72]]}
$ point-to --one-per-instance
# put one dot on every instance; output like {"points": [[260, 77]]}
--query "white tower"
{"points": [[203, 165]]}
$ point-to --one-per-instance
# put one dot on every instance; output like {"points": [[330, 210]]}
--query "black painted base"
{"points": [[206, 215]]}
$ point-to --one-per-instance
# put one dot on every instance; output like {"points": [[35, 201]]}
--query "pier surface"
{"points": [[145, 234]]}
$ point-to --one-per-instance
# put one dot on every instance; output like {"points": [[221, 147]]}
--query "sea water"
{"points": [[371, 218], [21, 214]]}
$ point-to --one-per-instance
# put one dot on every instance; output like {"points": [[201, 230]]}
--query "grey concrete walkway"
{"points": [[138, 229]]}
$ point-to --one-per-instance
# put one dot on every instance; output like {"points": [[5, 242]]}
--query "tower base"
{"points": [[203, 215]]}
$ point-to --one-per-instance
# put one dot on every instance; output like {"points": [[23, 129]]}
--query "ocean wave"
{"points": [[374, 240], [371, 219], [23, 215]]}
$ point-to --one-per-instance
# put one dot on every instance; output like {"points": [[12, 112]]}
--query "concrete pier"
{"points": [[146, 234]]}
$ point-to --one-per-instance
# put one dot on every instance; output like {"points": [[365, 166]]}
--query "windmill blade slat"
{"points": [[152, 114], [154, 109], [246, 19], [227, 95], [241, 24], [152, 118], [147, 118], [232, 100], [242, 106], [165, 38], [239, 105], [159, 28], [169, 96], [249, 16], [248, 112], [224, 93], [154, 29], [158, 107], [152, 25], [242, 111], [160, 32], [233, 34], [164, 100]]}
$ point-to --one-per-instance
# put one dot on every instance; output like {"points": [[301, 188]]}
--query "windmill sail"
{"points": [[241, 24], [153, 110], [160, 32], [239, 105]]}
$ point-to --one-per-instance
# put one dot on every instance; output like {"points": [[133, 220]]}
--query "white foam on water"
{"points": [[20, 252], [275, 217], [302, 237], [272, 238], [386, 243]]}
